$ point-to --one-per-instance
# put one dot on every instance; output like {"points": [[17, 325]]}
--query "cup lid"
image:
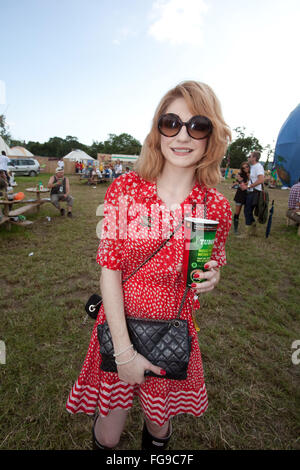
{"points": [[195, 220]]}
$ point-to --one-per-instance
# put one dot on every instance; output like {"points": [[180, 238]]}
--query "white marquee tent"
{"points": [[20, 152], [4, 146], [14, 151], [78, 156]]}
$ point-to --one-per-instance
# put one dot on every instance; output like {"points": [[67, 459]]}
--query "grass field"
{"points": [[247, 327]]}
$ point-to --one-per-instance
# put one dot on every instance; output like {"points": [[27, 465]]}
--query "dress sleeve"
{"points": [[218, 252], [109, 252]]}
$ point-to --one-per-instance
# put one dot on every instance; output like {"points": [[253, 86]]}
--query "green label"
{"points": [[198, 249]]}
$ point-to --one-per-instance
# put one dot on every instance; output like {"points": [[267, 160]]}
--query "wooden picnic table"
{"points": [[38, 201], [98, 180], [11, 209], [8, 213]]}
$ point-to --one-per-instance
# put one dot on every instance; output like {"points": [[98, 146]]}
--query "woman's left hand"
{"points": [[211, 276]]}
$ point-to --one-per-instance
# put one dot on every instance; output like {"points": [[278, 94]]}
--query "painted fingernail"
{"points": [[206, 266], [193, 285], [162, 372], [196, 275]]}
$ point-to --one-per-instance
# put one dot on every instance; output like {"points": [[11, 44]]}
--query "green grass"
{"points": [[247, 326]]}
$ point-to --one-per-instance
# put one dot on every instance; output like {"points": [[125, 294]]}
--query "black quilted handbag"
{"points": [[165, 343]]}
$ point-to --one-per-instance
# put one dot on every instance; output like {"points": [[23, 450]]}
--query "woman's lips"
{"points": [[181, 151]]}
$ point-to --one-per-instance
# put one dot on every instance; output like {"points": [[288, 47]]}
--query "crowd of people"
{"points": [[94, 172]]}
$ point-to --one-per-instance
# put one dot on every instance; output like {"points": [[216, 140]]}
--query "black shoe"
{"points": [[70, 214], [150, 442], [236, 226], [62, 212]]}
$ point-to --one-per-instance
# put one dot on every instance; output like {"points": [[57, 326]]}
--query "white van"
{"points": [[24, 166]]}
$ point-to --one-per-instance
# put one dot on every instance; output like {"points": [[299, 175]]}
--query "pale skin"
{"points": [[243, 187], [173, 186]]}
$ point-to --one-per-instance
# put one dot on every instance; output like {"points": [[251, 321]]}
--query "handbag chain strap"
{"points": [[160, 247]]}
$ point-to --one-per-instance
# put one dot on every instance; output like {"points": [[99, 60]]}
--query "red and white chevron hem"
{"points": [[86, 399], [161, 410]]}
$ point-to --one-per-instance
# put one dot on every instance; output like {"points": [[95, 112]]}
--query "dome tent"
{"points": [[78, 156], [20, 152]]}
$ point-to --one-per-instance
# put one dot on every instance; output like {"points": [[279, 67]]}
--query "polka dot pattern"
{"points": [[155, 291]]}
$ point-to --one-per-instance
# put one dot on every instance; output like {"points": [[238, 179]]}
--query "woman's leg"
{"points": [[157, 431], [156, 437], [108, 430], [236, 218], [238, 209]]}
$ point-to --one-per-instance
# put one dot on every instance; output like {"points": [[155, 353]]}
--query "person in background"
{"points": [[61, 163], [118, 169], [241, 185], [3, 164], [99, 173], [60, 191], [3, 182], [179, 166], [108, 172], [92, 175], [294, 201], [254, 187]]}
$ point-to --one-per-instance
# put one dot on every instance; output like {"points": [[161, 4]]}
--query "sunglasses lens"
{"points": [[169, 125], [199, 127]]}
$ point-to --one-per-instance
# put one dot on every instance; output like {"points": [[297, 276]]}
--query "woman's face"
{"points": [[246, 168], [182, 151]]}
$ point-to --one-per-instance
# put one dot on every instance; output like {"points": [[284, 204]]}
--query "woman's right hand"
{"points": [[134, 371], [243, 186]]}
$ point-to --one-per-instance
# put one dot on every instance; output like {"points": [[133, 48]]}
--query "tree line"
{"points": [[125, 144]]}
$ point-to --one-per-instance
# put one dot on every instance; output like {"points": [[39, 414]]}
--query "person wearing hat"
{"points": [[60, 191]]}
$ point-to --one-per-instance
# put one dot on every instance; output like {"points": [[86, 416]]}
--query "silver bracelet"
{"points": [[124, 350], [126, 362]]}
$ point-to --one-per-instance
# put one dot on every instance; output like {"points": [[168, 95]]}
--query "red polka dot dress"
{"points": [[135, 224]]}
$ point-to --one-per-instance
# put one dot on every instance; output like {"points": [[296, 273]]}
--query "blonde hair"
{"points": [[201, 100]]}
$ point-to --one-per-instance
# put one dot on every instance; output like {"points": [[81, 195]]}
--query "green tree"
{"points": [[4, 130], [58, 147], [123, 144], [240, 148], [270, 151]]}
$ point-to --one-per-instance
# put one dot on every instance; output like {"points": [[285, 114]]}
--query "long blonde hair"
{"points": [[201, 100]]}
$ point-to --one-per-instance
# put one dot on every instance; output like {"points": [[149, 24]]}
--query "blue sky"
{"points": [[94, 67]]}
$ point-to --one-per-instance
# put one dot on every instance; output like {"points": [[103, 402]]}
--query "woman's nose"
{"points": [[183, 134]]}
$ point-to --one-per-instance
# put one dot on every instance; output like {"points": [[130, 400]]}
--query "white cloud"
{"points": [[178, 21], [123, 34]]}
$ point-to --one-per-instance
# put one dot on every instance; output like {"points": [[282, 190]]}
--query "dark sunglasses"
{"points": [[198, 127]]}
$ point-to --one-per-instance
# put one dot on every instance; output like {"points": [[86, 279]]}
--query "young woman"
{"points": [[241, 193], [177, 168]]}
